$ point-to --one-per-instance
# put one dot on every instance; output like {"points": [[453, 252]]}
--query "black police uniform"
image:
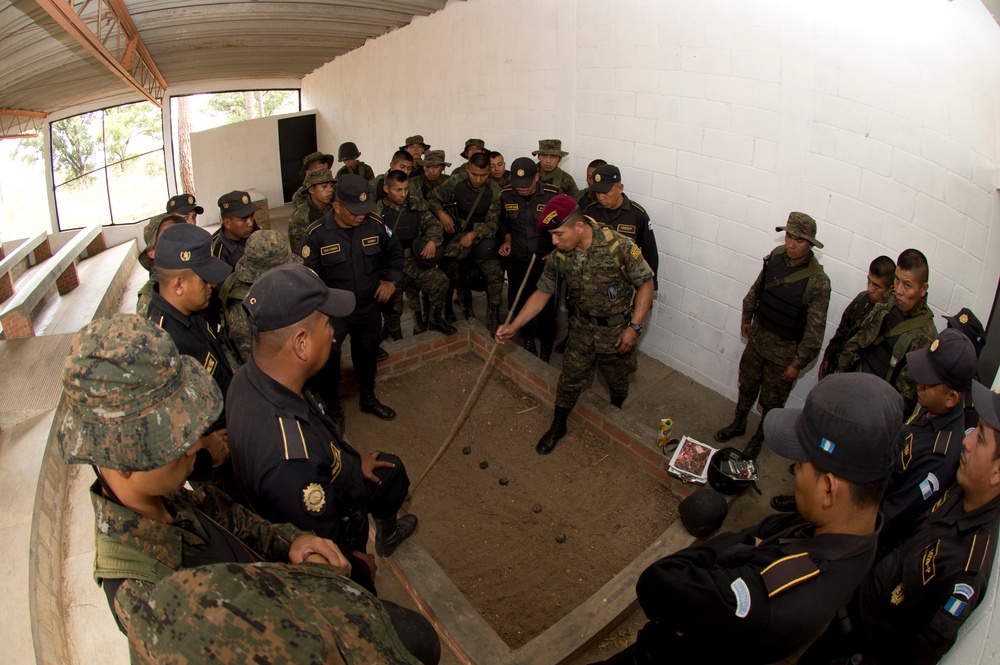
{"points": [[734, 602], [356, 260], [923, 467], [631, 220], [519, 218], [227, 249], [912, 604], [296, 469]]}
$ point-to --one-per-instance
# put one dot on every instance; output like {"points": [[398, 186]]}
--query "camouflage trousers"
{"points": [[491, 270], [759, 375], [431, 281], [583, 347]]}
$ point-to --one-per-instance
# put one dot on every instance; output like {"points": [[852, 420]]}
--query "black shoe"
{"points": [[754, 445], [529, 346], [381, 354], [396, 334], [370, 404], [390, 533], [545, 353], [449, 313], [438, 322], [557, 430], [617, 399], [731, 430], [784, 503]]}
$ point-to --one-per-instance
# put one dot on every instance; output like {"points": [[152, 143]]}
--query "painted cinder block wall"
{"points": [[877, 118]]}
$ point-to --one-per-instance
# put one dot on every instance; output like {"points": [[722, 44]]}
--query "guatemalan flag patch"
{"points": [[827, 445], [954, 606]]}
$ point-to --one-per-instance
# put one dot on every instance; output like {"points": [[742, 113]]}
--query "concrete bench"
{"points": [[59, 270], [38, 245]]}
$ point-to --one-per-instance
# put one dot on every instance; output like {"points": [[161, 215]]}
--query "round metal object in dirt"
{"points": [[561, 538], [467, 450], [504, 482], [483, 464], [537, 508]]}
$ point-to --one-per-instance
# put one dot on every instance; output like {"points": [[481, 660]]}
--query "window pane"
{"points": [[83, 202], [138, 188], [77, 146], [24, 200], [131, 130]]}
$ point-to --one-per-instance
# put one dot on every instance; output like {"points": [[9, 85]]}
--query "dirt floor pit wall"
{"points": [[519, 558]]}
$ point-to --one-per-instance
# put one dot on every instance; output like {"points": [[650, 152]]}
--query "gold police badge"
{"points": [[190, 200], [934, 345], [520, 172], [597, 177], [246, 199], [897, 595], [305, 251], [363, 197], [964, 318], [185, 255], [313, 497]]}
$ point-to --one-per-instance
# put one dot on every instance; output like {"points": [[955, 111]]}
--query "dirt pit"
{"points": [[499, 543]]}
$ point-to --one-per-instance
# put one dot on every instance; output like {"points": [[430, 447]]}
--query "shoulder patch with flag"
{"points": [[827, 445]]}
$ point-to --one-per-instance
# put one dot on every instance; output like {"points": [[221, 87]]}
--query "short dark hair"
{"points": [[864, 495], [480, 160], [883, 268], [401, 155], [396, 176], [597, 162], [913, 260], [494, 154]]}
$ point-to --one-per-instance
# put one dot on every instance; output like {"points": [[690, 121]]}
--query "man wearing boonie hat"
{"points": [[431, 174], [230, 241], [348, 153], [899, 323], [185, 206], [913, 603], [319, 198], [299, 614], [266, 249], [291, 459], [614, 208], [351, 249], [784, 320], [550, 154], [186, 274], [416, 147], [610, 291], [522, 204], [134, 409], [311, 162], [472, 146], [150, 234], [771, 587]]}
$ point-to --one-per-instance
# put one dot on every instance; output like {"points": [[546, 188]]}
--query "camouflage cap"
{"points": [[347, 151], [277, 613], [415, 139], [151, 233], [182, 204], [802, 226], [354, 193], [433, 158], [265, 249], [318, 177], [550, 147], [479, 143], [557, 212], [130, 400], [315, 157], [237, 204]]}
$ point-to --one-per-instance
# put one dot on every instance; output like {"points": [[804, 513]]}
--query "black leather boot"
{"points": [[736, 428], [755, 443], [391, 532], [370, 404], [546, 352], [617, 399], [557, 430], [419, 322], [466, 303], [784, 503], [493, 319], [529, 346], [449, 306], [437, 322]]}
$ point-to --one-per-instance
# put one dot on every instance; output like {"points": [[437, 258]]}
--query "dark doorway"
{"points": [[296, 139]]}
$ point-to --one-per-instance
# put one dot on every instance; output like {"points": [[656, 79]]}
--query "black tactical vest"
{"points": [[404, 224], [878, 358], [465, 198], [781, 308]]}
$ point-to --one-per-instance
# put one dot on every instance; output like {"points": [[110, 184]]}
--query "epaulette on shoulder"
{"points": [[293, 441], [315, 225], [374, 215], [788, 572], [508, 188], [548, 187], [638, 207]]}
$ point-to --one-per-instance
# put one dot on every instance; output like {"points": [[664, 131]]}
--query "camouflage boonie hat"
{"points": [[347, 151], [550, 147], [150, 234], [433, 158], [481, 144], [418, 139], [265, 249], [130, 400], [315, 157], [802, 226], [277, 613], [318, 177]]}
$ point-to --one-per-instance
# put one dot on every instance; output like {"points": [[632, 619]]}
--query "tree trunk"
{"points": [[260, 104], [250, 106], [184, 145]]}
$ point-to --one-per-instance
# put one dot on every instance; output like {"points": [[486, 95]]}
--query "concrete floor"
{"points": [[657, 391]]}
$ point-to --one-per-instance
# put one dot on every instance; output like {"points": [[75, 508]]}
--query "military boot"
{"points": [[557, 430], [546, 352], [391, 532], [396, 334], [617, 399], [419, 322], [493, 319], [449, 307], [437, 322], [466, 303], [370, 404], [736, 428], [529, 346], [755, 443]]}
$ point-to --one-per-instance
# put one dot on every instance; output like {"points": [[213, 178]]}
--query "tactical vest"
{"points": [[465, 199], [404, 224], [886, 357], [232, 289], [781, 304]]}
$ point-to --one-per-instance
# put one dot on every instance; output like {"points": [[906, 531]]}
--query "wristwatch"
{"points": [[636, 327]]}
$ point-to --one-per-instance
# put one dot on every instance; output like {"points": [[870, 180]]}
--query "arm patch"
{"points": [[788, 572]]}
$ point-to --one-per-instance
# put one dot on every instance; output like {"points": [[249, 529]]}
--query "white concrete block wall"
{"points": [[878, 119]]}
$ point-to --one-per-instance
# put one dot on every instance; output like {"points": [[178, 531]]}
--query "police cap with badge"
{"points": [[186, 246]]}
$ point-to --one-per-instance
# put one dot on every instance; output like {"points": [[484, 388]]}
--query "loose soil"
{"points": [[487, 537]]}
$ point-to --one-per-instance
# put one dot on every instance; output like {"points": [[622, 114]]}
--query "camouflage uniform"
{"points": [[300, 614], [504, 180], [419, 185], [360, 169], [265, 250], [308, 212], [557, 177], [870, 341], [149, 234], [301, 195], [850, 321], [485, 220], [600, 301]]}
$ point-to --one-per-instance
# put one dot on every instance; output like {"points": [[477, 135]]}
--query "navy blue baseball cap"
{"points": [[188, 246], [605, 177], [950, 359], [288, 294], [354, 193]]}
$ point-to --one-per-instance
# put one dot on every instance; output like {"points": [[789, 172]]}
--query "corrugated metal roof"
{"points": [[43, 69]]}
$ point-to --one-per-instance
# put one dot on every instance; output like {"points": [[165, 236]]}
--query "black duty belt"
{"points": [[616, 320]]}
